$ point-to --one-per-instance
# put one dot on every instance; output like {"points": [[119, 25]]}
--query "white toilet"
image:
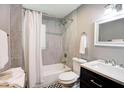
{"points": [[69, 78]]}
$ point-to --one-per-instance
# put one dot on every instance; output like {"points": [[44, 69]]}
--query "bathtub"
{"points": [[51, 72]]}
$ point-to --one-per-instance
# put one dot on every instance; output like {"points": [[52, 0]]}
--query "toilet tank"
{"points": [[76, 64]]}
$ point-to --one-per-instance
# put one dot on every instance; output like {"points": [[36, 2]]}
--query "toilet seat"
{"points": [[68, 77]]}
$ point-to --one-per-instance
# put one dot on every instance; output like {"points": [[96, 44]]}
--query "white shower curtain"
{"points": [[31, 44]]}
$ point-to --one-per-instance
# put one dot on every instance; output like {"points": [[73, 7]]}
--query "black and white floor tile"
{"points": [[58, 85], [55, 85]]}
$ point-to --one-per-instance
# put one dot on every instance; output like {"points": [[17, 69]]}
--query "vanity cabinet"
{"points": [[89, 79]]}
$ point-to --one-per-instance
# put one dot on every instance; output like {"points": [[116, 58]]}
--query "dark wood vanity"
{"points": [[90, 79]]}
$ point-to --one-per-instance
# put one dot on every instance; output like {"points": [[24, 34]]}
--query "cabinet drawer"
{"points": [[97, 81]]}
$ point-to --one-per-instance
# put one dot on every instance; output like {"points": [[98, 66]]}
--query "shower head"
{"points": [[66, 21]]}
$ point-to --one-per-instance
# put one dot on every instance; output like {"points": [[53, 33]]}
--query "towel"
{"points": [[3, 49], [7, 85], [43, 36], [82, 44], [13, 76]]}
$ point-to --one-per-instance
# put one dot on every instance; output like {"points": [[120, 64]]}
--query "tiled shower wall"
{"points": [[54, 41]]}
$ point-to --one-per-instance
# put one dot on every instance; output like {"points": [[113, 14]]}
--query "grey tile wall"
{"points": [[54, 41]]}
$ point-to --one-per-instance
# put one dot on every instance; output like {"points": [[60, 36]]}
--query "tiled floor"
{"points": [[58, 85], [55, 85]]}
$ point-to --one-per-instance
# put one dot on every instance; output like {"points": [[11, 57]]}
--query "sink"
{"points": [[108, 68], [99, 66]]}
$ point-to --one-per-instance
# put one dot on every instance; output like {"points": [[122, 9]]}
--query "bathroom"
{"points": [[68, 47]]}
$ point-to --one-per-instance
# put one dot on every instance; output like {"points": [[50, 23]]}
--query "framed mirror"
{"points": [[109, 30]]}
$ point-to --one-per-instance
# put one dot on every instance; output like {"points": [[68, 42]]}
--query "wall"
{"points": [[5, 26], [16, 35], [54, 41], [86, 16], [10, 22], [71, 38]]}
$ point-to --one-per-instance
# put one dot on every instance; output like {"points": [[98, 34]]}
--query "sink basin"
{"points": [[114, 72], [108, 68]]}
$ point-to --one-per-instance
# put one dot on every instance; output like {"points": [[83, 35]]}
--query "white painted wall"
{"points": [[86, 16]]}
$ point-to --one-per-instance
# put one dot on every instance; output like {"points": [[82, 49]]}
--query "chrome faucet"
{"points": [[113, 62], [106, 61], [121, 65]]}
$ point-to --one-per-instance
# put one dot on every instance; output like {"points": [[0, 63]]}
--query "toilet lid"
{"points": [[67, 76]]}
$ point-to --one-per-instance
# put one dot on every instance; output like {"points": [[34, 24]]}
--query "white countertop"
{"points": [[114, 73]]}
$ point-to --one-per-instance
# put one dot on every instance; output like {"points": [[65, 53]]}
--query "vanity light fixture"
{"points": [[113, 8], [110, 9], [123, 7]]}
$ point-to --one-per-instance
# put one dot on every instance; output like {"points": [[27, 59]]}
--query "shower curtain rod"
{"points": [[45, 14]]}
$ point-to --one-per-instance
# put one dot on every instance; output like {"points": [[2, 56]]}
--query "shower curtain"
{"points": [[31, 45]]}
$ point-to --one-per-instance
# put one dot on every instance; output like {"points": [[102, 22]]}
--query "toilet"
{"points": [[69, 78]]}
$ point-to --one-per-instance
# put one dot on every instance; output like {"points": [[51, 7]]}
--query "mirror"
{"points": [[110, 31]]}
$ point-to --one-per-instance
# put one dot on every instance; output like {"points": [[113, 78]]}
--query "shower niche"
{"points": [[109, 30]]}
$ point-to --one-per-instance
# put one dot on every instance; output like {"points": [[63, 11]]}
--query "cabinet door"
{"points": [[90, 80], [84, 85]]}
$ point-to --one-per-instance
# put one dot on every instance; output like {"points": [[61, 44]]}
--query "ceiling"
{"points": [[53, 10]]}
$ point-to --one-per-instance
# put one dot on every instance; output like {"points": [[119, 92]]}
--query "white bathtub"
{"points": [[51, 72]]}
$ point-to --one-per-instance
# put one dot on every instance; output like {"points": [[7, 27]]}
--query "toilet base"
{"points": [[69, 85]]}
